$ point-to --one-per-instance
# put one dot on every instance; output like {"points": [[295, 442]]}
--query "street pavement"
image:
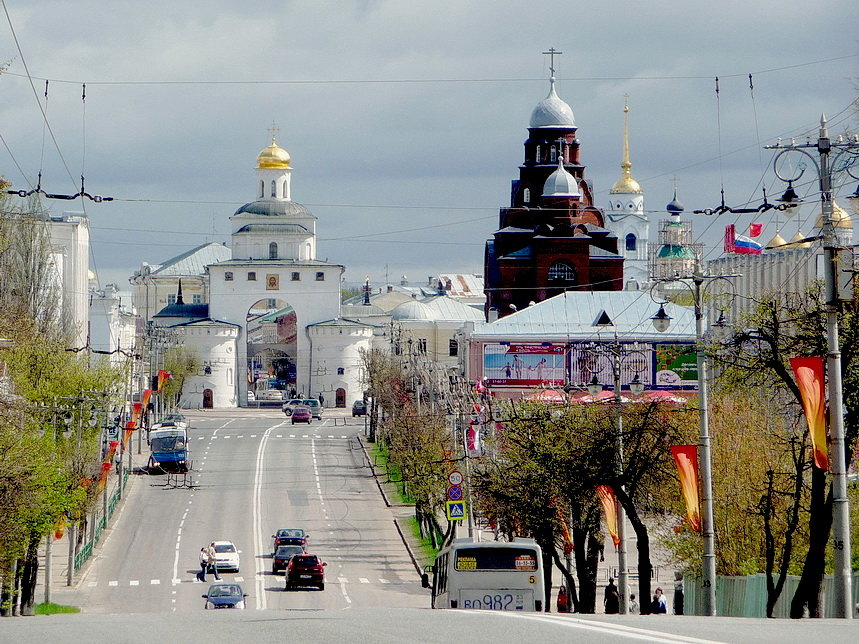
{"points": [[253, 472]]}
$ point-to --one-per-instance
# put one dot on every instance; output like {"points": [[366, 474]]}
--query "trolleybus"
{"points": [[489, 575]]}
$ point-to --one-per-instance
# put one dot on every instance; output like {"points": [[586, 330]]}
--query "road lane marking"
{"points": [[134, 582], [363, 580], [383, 581], [259, 547], [155, 582], [620, 630], [113, 583]]}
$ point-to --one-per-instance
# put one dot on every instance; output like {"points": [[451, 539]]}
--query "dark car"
{"points": [[281, 557], [302, 415], [305, 570], [225, 596], [359, 408], [288, 537]]}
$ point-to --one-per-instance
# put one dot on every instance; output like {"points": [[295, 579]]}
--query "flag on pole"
{"points": [[163, 376], [755, 230], [730, 234], [747, 246], [809, 378], [147, 394], [686, 460], [609, 507]]}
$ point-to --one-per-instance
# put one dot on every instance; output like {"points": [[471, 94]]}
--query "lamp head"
{"points": [[594, 387], [636, 386], [720, 328], [790, 200], [661, 321]]}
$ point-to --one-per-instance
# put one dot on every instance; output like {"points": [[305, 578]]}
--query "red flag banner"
{"points": [[111, 452], [60, 527], [163, 376], [809, 378], [609, 506], [127, 435], [730, 235], [147, 394], [686, 460], [755, 230]]}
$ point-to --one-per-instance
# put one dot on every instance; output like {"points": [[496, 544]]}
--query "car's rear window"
{"points": [[307, 560]]}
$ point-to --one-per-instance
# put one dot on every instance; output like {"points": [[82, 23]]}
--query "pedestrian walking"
{"points": [[204, 563], [563, 601], [321, 399], [611, 602], [212, 561]]}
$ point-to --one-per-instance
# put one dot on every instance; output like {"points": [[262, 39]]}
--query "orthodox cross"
{"points": [[274, 129], [551, 54]]}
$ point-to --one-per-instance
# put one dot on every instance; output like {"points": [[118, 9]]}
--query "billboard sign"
{"points": [[523, 365]]}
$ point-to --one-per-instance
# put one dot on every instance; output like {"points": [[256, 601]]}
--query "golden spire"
{"points": [[626, 183]]}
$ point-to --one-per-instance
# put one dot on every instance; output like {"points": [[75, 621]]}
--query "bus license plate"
{"points": [[476, 600]]}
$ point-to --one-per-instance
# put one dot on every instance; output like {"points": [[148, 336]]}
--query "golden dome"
{"points": [[796, 241], [840, 218], [273, 156], [775, 242], [626, 184]]}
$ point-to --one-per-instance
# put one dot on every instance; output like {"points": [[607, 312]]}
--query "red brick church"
{"points": [[552, 238]]}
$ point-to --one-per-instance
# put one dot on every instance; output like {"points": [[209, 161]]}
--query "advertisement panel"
{"points": [[676, 366], [523, 365]]}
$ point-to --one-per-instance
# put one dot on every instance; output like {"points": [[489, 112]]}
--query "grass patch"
{"points": [[426, 551], [55, 609], [395, 477]]}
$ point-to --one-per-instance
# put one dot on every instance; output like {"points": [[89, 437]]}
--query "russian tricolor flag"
{"points": [[740, 243]]}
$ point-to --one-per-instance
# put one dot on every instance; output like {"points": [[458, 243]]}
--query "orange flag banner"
{"points": [[105, 470], [163, 376], [609, 506], [111, 452], [147, 393], [127, 434], [810, 380], [60, 527], [135, 414], [686, 459]]}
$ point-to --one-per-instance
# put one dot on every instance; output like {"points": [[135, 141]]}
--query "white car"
{"points": [[227, 556], [269, 394]]}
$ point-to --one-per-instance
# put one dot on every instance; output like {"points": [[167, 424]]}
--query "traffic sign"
{"points": [[455, 510], [455, 477], [454, 492]]}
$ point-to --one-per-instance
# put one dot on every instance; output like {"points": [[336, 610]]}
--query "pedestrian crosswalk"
{"points": [[232, 437], [131, 583]]}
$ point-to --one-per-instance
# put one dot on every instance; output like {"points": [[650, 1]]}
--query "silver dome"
{"points": [[552, 112], [561, 183]]}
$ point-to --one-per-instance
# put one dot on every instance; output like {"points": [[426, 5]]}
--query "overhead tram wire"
{"points": [[441, 80]]}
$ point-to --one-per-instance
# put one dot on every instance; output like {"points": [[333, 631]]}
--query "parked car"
{"points": [[282, 555], [305, 570], [269, 394], [302, 415], [359, 408], [288, 537], [225, 595], [226, 556]]}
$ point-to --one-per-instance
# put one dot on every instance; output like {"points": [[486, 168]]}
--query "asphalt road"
{"points": [[254, 472]]}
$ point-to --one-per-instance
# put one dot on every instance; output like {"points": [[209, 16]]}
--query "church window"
{"points": [[296, 276], [171, 298], [252, 276], [271, 303], [261, 189], [340, 371], [273, 188], [452, 347], [422, 346], [631, 242], [196, 298], [537, 156], [320, 276], [228, 276], [553, 154], [630, 206], [526, 195], [562, 272], [272, 250]]}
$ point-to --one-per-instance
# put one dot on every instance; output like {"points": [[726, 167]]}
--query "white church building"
{"points": [[273, 310]]}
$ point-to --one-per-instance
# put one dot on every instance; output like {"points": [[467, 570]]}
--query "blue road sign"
{"points": [[454, 492], [455, 510]]}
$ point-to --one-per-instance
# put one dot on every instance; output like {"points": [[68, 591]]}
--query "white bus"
{"points": [[489, 575]]}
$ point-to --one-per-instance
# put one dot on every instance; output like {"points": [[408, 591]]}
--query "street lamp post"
{"points": [[620, 355], [699, 285], [848, 153]]}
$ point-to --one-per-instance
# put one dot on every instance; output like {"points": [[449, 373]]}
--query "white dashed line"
{"points": [[155, 582], [113, 583], [134, 582], [363, 580]]}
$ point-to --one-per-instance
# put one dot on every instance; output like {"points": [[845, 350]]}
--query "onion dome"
{"points": [[561, 183], [626, 184], [797, 238], [840, 218], [775, 242], [675, 206], [552, 111], [412, 310], [273, 156], [676, 251]]}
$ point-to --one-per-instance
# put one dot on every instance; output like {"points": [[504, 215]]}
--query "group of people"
{"points": [[611, 602], [208, 562]]}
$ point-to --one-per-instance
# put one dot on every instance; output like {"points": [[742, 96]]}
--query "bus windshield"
{"points": [[167, 444], [519, 559]]}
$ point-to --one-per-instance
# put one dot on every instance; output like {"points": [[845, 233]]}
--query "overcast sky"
{"points": [[405, 120]]}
